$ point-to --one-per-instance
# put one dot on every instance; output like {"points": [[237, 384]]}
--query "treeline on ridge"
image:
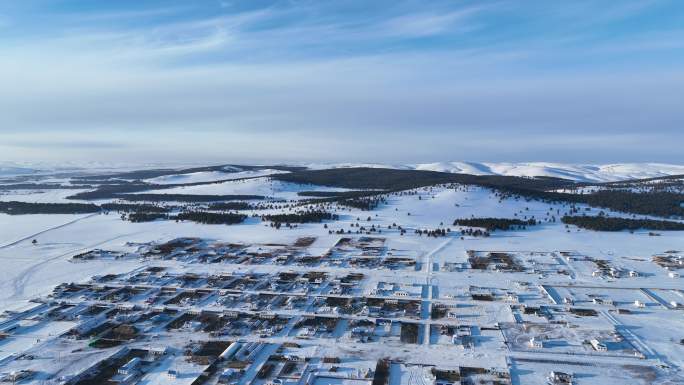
{"points": [[395, 180], [603, 223], [368, 203], [131, 207], [186, 197], [193, 216], [665, 204], [359, 199], [138, 217], [110, 191], [226, 206], [662, 204], [492, 224], [126, 192], [122, 189], [301, 217], [21, 208], [41, 186], [211, 218]]}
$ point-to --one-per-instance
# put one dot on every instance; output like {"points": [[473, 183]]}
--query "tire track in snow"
{"points": [[14, 243]]}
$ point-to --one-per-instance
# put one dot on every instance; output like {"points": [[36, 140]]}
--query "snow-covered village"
{"points": [[344, 275], [341, 192]]}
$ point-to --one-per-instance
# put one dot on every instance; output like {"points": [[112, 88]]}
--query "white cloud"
{"points": [[429, 24], [258, 84]]}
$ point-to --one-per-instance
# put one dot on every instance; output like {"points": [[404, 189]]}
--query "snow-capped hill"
{"points": [[12, 171], [641, 170], [209, 176], [577, 172], [456, 167], [325, 166]]}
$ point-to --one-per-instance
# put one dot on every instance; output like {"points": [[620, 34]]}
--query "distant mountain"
{"points": [[576, 172], [13, 170]]}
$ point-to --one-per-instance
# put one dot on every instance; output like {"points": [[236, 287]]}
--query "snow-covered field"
{"points": [[39, 196], [257, 186], [209, 176]]}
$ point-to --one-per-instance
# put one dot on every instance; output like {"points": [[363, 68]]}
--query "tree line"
{"points": [[603, 223], [131, 207], [209, 218], [21, 208], [228, 206], [301, 217], [366, 204], [138, 217], [186, 197], [492, 224]]}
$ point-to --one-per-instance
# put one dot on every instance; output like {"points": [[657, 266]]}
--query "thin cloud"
{"points": [[430, 24], [406, 83]]}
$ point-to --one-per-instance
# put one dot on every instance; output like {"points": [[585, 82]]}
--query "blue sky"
{"points": [[387, 81]]}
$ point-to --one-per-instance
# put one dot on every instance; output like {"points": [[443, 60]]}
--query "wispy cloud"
{"points": [[430, 24], [65, 144], [430, 82]]}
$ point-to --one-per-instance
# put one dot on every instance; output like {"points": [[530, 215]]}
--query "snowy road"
{"points": [[33, 236]]}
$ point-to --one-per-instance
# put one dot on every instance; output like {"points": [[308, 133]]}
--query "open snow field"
{"points": [[31, 334], [256, 186], [39, 196], [209, 176]]}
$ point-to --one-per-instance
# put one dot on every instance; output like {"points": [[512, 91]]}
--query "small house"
{"points": [[598, 346], [536, 343]]}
